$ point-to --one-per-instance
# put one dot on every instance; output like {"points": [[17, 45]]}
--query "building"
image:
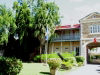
{"points": [[78, 37]]}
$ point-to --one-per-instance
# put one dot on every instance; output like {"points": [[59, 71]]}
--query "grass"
{"points": [[34, 69], [38, 69]]}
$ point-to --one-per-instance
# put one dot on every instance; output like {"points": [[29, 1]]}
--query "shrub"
{"points": [[67, 54], [54, 55], [80, 64], [43, 57], [72, 60], [79, 59], [66, 65], [36, 58], [54, 63], [10, 66]]}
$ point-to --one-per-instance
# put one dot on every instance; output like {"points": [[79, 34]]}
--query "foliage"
{"points": [[72, 60], [69, 63], [54, 63], [54, 55], [45, 15], [91, 57], [97, 56], [80, 63], [66, 65], [23, 19], [34, 16], [36, 58], [79, 59], [67, 54], [43, 57], [10, 66], [7, 24]]}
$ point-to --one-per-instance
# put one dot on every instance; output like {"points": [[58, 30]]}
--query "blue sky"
{"points": [[71, 10]]}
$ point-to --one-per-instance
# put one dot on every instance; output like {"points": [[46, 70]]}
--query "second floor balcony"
{"points": [[66, 38]]}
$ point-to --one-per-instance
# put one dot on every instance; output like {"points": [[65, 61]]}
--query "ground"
{"points": [[38, 69], [42, 69], [88, 69]]}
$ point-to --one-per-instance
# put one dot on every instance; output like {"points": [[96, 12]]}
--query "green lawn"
{"points": [[37, 69]]}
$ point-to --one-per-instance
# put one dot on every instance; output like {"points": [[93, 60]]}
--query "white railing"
{"points": [[65, 37]]}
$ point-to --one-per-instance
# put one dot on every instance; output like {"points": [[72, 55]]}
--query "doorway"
{"points": [[93, 53], [77, 51]]}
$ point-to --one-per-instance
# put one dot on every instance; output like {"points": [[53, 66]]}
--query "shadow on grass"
{"points": [[45, 73]]}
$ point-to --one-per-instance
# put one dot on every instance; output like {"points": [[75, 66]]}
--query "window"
{"points": [[95, 29], [93, 16]]}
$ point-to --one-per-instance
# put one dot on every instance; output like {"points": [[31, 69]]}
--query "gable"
{"points": [[94, 15]]}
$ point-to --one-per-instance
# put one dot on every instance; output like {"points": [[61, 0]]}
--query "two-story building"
{"points": [[78, 37]]}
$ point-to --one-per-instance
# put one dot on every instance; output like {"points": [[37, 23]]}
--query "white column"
{"points": [[61, 41], [84, 54], [52, 47], [81, 37], [70, 45], [61, 47]]}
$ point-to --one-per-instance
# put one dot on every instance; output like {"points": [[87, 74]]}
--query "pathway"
{"points": [[85, 70]]}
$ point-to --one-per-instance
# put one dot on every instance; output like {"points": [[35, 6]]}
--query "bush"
{"points": [[36, 58], [72, 60], [43, 57], [54, 55], [66, 65], [67, 54], [10, 66], [54, 63], [79, 59], [80, 64]]}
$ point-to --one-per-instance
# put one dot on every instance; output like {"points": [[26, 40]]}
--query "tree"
{"points": [[32, 19], [23, 19], [7, 24], [45, 14], [24, 22]]}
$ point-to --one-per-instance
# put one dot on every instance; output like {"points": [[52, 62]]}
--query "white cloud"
{"points": [[87, 9], [75, 0]]}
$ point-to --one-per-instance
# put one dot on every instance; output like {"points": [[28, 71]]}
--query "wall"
{"points": [[66, 46]]}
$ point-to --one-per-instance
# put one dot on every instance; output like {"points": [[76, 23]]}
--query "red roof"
{"points": [[68, 26]]}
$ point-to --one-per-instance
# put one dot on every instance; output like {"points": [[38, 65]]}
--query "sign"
{"points": [[95, 40]]}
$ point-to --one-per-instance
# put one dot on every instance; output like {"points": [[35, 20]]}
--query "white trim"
{"points": [[94, 33], [90, 20], [89, 38], [86, 17]]}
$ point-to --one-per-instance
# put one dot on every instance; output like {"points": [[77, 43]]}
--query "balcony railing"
{"points": [[67, 38]]}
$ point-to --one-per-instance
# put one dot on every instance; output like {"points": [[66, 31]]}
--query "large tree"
{"points": [[24, 22], [23, 19], [45, 14], [7, 24]]}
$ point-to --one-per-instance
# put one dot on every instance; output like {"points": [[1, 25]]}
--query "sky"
{"points": [[71, 10]]}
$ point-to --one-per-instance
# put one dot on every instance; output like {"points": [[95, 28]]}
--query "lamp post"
{"points": [[46, 45]]}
